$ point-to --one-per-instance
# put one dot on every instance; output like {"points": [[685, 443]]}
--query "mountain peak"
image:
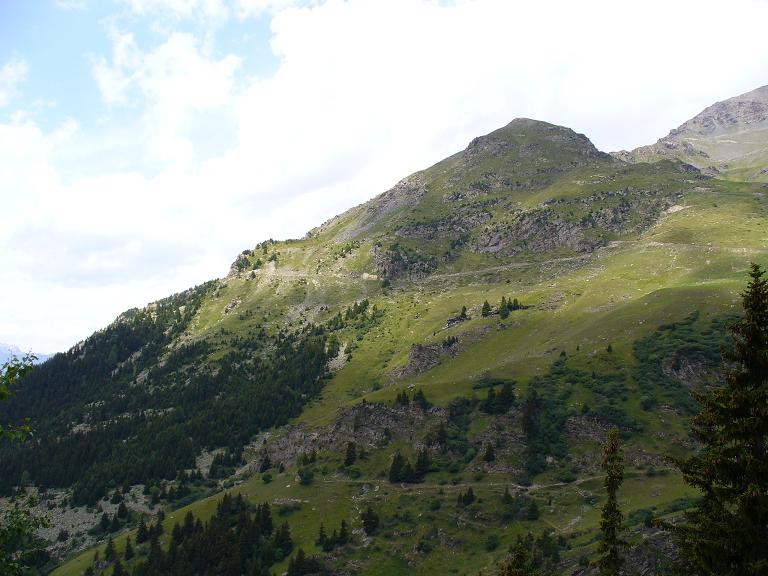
{"points": [[747, 111], [527, 135], [728, 139]]}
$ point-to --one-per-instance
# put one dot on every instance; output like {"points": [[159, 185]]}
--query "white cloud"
{"points": [[211, 10], [12, 74], [194, 161], [72, 4], [172, 83], [255, 8]]}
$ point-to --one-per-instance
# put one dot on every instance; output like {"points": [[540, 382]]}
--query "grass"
{"points": [[692, 258]]}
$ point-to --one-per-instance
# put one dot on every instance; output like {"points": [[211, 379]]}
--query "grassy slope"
{"points": [[693, 258]]}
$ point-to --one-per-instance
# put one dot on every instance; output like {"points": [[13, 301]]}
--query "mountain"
{"points": [[488, 319], [8, 351], [728, 140]]}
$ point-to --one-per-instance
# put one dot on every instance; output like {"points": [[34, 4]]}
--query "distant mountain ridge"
{"points": [[7, 351], [728, 139]]}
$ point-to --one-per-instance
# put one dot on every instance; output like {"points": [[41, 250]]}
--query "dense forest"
{"points": [[261, 381]]}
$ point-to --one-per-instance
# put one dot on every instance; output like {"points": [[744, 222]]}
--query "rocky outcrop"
{"points": [[546, 228], [402, 262], [454, 226], [692, 369], [423, 357], [369, 425]]}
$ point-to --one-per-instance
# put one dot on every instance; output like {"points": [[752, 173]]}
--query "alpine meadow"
{"points": [[532, 358]]}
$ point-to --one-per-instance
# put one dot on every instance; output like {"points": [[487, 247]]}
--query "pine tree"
{"points": [[504, 308], [396, 467], [519, 561], [118, 570], [322, 537], [611, 519], [128, 549], [533, 511], [486, 310], [370, 521], [142, 534], [490, 454], [351, 454], [104, 522], [343, 533], [422, 464], [463, 314], [109, 552], [421, 400], [727, 532]]}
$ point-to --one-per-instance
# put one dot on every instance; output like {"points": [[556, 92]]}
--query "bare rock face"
{"points": [[404, 194], [731, 135], [423, 357], [691, 369], [369, 425], [396, 262], [545, 229]]}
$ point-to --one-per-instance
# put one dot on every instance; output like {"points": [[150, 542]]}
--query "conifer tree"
{"points": [[142, 534], [322, 537], [504, 308], [343, 533], [533, 511], [128, 549], [396, 467], [611, 518], [370, 521], [727, 532], [490, 454], [351, 454], [486, 310], [420, 399], [110, 553], [519, 561], [422, 464]]}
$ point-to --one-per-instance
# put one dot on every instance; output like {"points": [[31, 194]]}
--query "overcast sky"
{"points": [[144, 143]]}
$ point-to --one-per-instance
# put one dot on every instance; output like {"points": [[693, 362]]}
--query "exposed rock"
{"points": [[728, 135], [232, 305], [369, 425], [422, 357], [692, 369]]}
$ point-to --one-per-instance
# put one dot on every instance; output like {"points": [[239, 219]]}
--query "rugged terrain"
{"points": [[623, 276], [728, 140]]}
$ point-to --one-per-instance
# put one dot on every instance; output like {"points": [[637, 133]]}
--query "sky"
{"points": [[145, 143]]}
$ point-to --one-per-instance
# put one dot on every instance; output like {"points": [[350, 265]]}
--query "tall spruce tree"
{"points": [[727, 531], [611, 518]]}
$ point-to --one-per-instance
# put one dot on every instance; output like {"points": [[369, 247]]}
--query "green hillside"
{"points": [[625, 277]]}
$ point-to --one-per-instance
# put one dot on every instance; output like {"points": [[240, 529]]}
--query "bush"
{"points": [[306, 475], [491, 542]]}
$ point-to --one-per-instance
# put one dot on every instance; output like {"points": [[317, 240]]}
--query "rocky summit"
{"points": [[727, 140]]}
